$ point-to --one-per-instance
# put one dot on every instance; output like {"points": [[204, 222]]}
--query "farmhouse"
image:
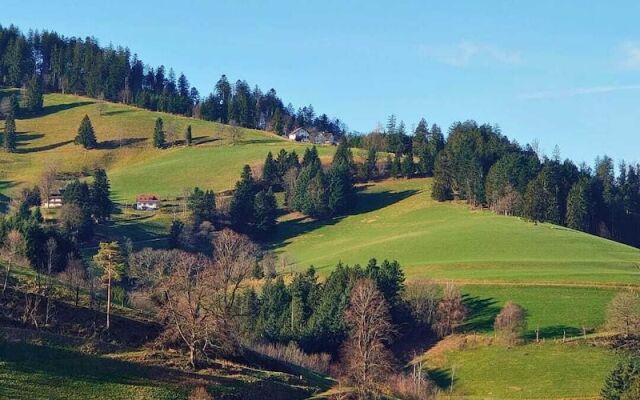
{"points": [[55, 201], [322, 138], [147, 202], [299, 135]]}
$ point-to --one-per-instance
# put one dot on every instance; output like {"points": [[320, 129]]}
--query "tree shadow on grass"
{"points": [[117, 143], [366, 202], [48, 110], [24, 139], [115, 112], [555, 332], [4, 199], [482, 314], [441, 377]]}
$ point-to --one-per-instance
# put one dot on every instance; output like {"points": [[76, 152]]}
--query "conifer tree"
{"points": [[408, 168], [265, 211], [269, 172], [371, 163], [34, 94], [578, 207], [187, 136], [158, 134], [100, 190], [241, 208], [10, 132], [396, 166], [86, 136]]}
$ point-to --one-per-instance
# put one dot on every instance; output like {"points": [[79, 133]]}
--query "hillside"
{"points": [[397, 219], [124, 136], [563, 278]]}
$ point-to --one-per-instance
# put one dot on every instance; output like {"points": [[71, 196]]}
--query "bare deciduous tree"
{"points": [[48, 182], [450, 312], [75, 276], [510, 203], [367, 361], [511, 322], [235, 133], [423, 300], [623, 313], [11, 248]]}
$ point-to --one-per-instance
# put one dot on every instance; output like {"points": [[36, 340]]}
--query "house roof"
{"points": [[147, 197], [297, 130]]}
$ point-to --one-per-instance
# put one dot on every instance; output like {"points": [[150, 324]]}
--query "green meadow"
{"points": [[533, 371], [397, 219]]}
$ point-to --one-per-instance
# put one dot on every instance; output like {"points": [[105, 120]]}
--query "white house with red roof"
{"points": [[147, 202]]}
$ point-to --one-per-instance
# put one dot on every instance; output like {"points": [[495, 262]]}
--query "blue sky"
{"points": [[560, 72]]}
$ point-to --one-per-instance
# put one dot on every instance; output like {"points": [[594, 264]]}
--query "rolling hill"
{"points": [[562, 277]]}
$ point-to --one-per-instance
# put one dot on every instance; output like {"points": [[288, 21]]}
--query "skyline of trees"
{"points": [[45, 61]]}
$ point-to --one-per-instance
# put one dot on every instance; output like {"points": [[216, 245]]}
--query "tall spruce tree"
{"points": [[9, 138], [86, 136], [242, 202], [579, 207], [33, 98], [100, 190], [158, 134], [270, 172], [265, 211]]}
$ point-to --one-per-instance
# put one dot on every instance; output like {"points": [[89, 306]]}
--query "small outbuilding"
{"points": [[55, 200], [299, 135], [147, 202]]}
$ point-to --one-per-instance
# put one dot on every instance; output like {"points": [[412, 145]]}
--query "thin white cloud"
{"points": [[630, 55], [547, 94], [466, 53]]}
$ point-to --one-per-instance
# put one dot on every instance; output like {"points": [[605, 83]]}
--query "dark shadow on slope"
{"points": [[115, 112], [4, 199], [366, 202], [555, 332], [48, 110], [117, 143], [441, 377], [482, 314], [25, 138]]}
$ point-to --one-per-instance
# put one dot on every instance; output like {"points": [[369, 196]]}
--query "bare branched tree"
{"points": [[623, 313], [511, 322], [74, 276], [367, 361], [11, 249], [450, 312]]}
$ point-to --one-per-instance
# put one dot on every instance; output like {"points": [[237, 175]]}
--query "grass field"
{"points": [[534, 371], [554, 310], [398, 220], [124, 136]]}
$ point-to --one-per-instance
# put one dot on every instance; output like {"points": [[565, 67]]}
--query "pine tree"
{"points": [[100, 190], [371, 163], [34, 95], [241, 208], [269, 172], [265, 211], [202, 205], [578, 207], [10, 132], [187, 136], [158, 135], [408, 167], [109, 259], [86, 136], [396, 166]]}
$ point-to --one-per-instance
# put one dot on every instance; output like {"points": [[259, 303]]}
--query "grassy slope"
{"points": [[549, 371], [134, 167], [398, 220]]}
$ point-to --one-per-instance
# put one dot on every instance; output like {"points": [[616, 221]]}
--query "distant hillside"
{"points": [[398, 220], [125, 150]]}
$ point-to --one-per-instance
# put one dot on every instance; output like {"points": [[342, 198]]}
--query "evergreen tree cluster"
{"points": [[253, 205], [480, 165], [49, 62], [311, 312], [92, 200]]}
